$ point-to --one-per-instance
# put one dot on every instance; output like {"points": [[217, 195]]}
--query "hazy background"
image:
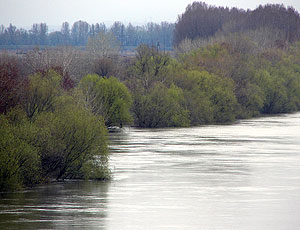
{"points": [[23, 13]]}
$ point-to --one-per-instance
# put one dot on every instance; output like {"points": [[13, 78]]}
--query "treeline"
{"points": [[204, 21], [79, 33], [219, 83], [198, 21]]}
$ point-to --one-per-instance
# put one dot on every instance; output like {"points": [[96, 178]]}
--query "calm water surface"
{"points": [[240, 176]]}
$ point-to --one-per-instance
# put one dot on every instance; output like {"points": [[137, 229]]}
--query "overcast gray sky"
{"points": [[23, 13]]}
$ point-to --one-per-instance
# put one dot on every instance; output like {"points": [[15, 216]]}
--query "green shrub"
{"points": [[107, 97], [72, 139], [19, 160]]}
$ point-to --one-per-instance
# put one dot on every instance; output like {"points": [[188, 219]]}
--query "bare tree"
{"points": [[103, 45], [67, 58]]}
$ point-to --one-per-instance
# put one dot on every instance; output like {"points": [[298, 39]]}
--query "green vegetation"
{"points": [[161, 107], [41, 93], [19, 162], [51, 135], [107, 97], [218, 83], [55, 105]]}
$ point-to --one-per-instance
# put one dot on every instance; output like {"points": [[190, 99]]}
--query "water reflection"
{"points": [[71, 205], [239, 176]]}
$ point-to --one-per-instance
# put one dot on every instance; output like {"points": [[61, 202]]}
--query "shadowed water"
{"points": [[240, 176]]}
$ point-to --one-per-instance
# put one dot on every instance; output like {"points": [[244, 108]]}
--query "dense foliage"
{"points": [[217, 83], [19, 158], [55, 103], [50, 134], [107, 97]]}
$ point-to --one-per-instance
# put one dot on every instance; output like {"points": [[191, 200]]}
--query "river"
{"points": [[240, 176]]}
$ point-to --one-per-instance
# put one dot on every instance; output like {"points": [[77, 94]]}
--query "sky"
{"points": [[23, 13]]}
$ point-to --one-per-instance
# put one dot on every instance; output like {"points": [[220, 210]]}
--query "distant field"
{"points": [[21, 50]]}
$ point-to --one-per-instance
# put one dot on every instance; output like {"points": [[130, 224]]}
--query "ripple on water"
{"points": [[239, 176]]}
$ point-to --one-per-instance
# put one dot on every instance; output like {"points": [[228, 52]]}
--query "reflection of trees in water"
{"points": [[117, 139], [78, 204]]}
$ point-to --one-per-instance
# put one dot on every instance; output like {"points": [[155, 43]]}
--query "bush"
{"points": [[162, 107], [51, 136], [41, 93], [107, 97], [209, 98], [19, 160], [72, 139]]}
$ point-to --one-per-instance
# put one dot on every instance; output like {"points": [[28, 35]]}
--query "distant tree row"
{"points": [[78, 34], [203, 21], [199, 20]]}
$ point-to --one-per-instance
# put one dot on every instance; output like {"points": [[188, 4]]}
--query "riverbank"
{"points": [[178, 177]]}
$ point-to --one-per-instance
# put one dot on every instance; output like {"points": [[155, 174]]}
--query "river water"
{"points": [[240, 176]]}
